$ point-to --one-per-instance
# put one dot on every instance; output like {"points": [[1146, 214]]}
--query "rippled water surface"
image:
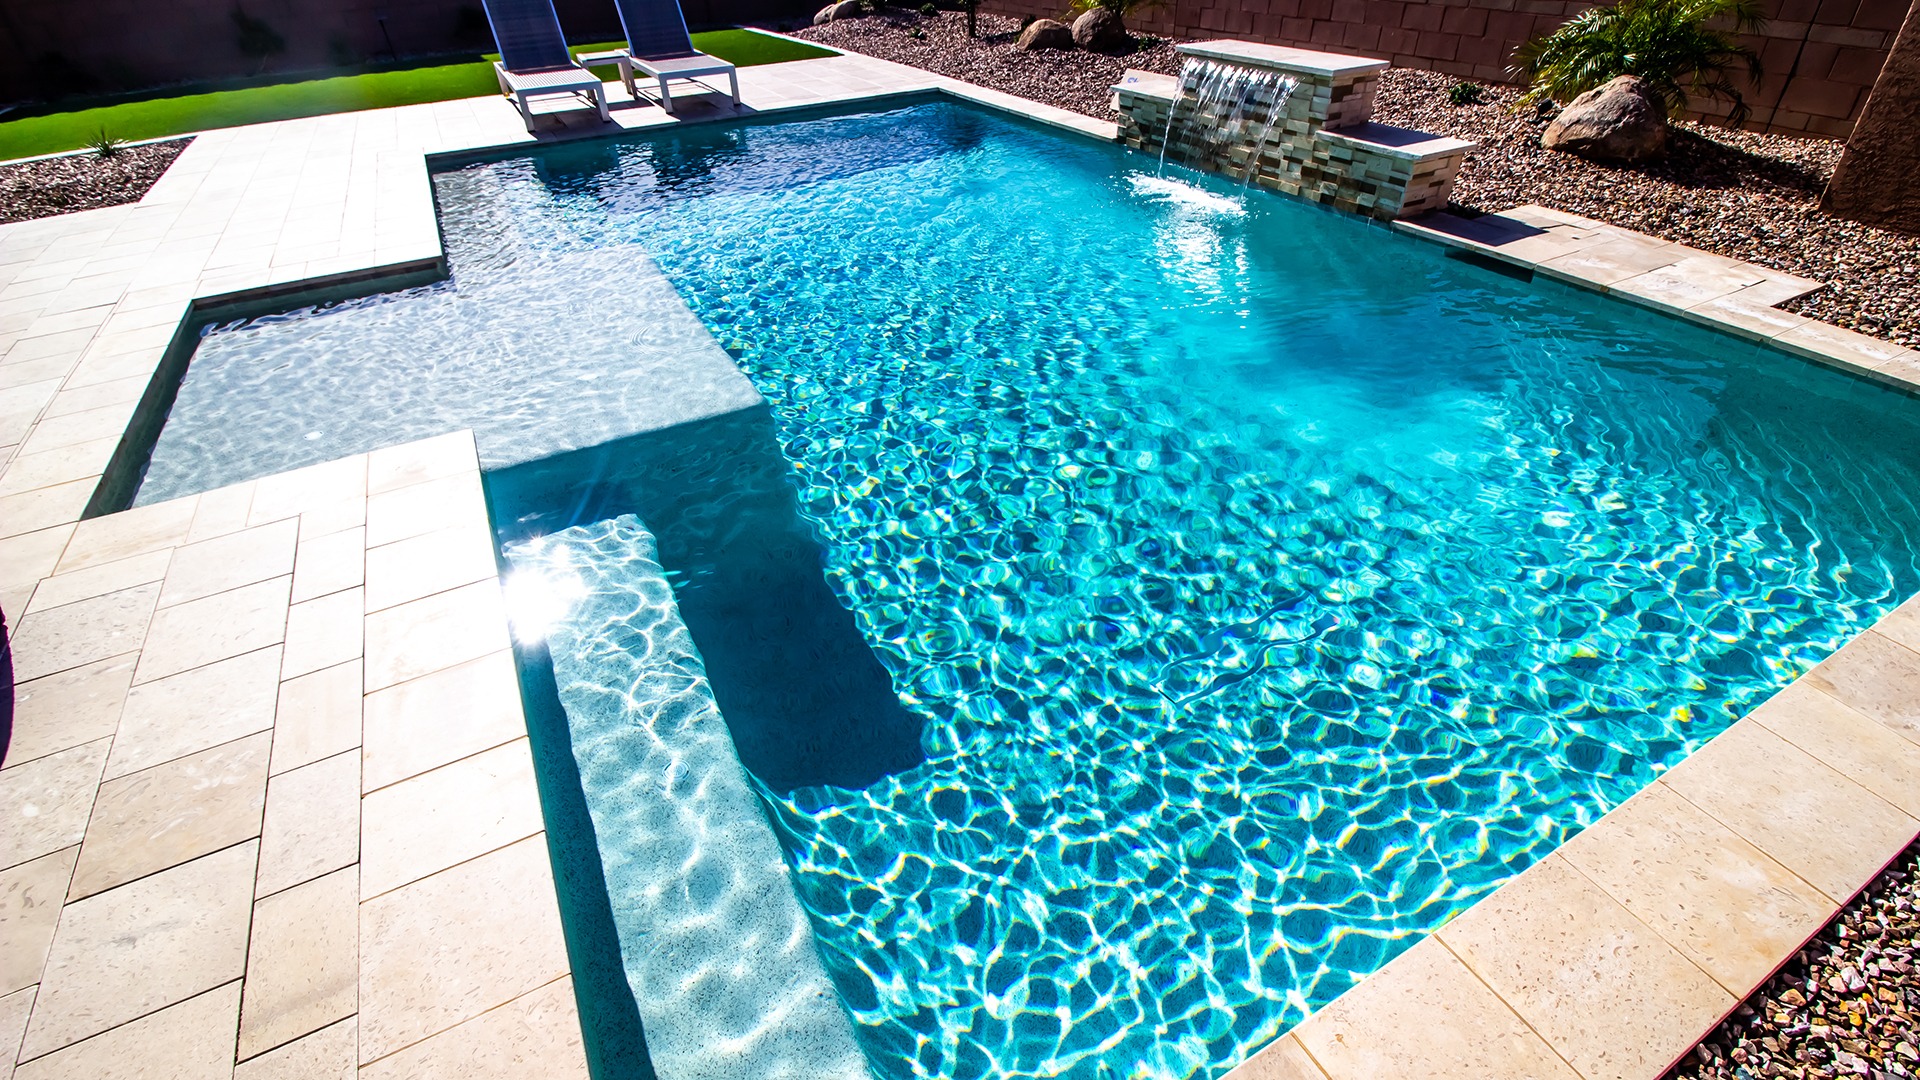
{"points": [[1247, 588]]}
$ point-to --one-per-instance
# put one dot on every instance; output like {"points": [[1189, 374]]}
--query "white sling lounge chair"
{"points": [[659, 47], [534, 61]]}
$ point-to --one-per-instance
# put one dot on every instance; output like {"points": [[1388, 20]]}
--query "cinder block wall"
{"points": [[1820, 57], [112, 45]]}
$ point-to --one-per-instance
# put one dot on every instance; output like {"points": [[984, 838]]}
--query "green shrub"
{"points": [[1666, 43], [929, 10], [1466, 93], [106, 145]]}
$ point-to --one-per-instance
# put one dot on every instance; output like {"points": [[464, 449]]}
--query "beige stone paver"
{"points": [[441, 717], [1902, 625], [221, 512], [324, 632], [332, 1053], [1282, 1059], [1693, 881], [312, 822], [27, 558], [1877, 676], [131, 532], [215, 628], [423, 508], [15, 1008], [77, 634], [1868, 753], [40, 508], [1365, 1033], [192, 1040], [425, 824], [173, 812], [443, 456], [444, 949], [139, 943], [531, 1035], [129, 951], [63, 710], [46, 802], [30, 898], [99, 580], [1607, 993], [319, 716], [330, 563], [223, 563], [436, 632], [1833, 833], [303, 964], [428, 563], [195, 710]]}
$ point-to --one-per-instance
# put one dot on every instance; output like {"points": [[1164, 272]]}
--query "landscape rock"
{"points": [[845, 9], [1620, 121], [1100, 30], [1045, 34]]}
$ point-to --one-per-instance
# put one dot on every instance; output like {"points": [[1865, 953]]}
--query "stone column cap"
{"points": [[1283, 58]]}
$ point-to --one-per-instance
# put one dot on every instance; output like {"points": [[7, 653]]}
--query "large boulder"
{"points": [[1100, 30], [846, 9], [1045, 34], [1620, 121]]}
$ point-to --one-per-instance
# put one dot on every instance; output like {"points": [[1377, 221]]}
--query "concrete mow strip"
{"points": [[267, 640]]}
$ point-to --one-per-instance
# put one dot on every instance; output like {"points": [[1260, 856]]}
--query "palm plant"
{"points": [[1676, 47]]}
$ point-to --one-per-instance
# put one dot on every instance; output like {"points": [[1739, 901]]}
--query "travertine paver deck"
{"points": [[268, 797], [226, 858]]}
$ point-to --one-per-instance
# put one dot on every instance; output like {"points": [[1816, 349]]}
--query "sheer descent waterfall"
{"points": [[1225, 101]]}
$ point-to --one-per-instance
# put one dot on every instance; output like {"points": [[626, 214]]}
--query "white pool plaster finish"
{"points": [[230, 703]]}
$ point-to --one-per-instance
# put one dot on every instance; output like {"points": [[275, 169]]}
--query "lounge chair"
{"points": [[534, 61], [659, 47]]}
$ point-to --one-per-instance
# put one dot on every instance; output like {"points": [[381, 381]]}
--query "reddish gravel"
{"points": [[1734, 193], [1847, 1005], [62, 185]]}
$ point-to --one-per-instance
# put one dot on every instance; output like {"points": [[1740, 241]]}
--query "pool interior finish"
{"points": [[1138, 607]]}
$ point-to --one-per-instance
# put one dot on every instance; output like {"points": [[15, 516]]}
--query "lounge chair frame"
{"points": [[534, 61], [664, 52]]}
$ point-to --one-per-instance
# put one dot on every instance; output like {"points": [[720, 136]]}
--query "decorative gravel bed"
{"points": [[1077, 80], [1748, 196], [87, 181], [1847, 1005]]}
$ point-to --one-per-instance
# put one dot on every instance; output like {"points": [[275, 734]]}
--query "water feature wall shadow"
{"points": [[1293, 120], [1253, 588]]}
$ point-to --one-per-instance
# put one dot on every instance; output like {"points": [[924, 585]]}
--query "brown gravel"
{"points": [[62, 185], [1734, 193], [1847, 1005], [1076, 80]]}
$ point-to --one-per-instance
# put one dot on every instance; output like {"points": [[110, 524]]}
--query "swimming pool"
{"points": [[1140, 607]]}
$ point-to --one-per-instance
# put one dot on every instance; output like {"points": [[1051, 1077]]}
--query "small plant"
{"points": [[106, 145], [1466, 93], [1677, 47], [929, 10]]}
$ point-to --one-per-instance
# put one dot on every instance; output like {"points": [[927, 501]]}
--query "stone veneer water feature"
{"points": [[1292, 120]]}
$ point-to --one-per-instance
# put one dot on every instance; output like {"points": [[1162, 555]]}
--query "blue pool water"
{"points": [[1141, 608]]}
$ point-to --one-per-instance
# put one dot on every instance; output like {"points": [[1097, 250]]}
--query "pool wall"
{"points": [[90, 303]]}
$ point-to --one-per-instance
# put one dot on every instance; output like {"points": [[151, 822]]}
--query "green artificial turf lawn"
{"points": [[162, 116]]}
